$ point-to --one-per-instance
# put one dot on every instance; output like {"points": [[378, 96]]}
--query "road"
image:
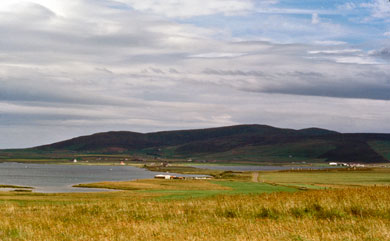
{"points": [[255, 177]]}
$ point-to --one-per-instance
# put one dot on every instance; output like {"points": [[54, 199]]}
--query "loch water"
{"points": [[52, 178]]}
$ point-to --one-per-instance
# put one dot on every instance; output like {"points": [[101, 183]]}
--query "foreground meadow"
{"points": [[339, 214], [172, 210]]}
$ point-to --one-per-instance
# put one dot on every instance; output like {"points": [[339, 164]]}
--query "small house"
{"points": [[160, 176]]}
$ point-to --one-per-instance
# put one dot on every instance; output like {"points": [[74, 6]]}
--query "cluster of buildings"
{"points": [[164, 176], [343, 164]]}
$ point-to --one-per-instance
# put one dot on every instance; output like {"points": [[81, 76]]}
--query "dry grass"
{"points": [[157, 184], [341, 214]]}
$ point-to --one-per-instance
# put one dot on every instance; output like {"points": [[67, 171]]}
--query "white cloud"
{"points": [[379, 8], [216, 55], [336, 51], [63, 8], [315, 19], [190, 8], [298, 11], [330, 42], [356, 60], [347, 6]]}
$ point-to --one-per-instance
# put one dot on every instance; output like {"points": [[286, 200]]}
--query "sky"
{"points": [[77, 67]]}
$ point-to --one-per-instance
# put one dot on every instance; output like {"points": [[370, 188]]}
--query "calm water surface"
{"points": [[49, 178]]}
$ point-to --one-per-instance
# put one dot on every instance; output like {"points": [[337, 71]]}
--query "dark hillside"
{"points": [[134, 140], [259, 142], [316, 132], [354, 151], [180, 137], [101, 141]]}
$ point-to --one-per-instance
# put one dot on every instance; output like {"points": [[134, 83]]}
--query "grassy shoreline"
{"points": [[13, 186]]}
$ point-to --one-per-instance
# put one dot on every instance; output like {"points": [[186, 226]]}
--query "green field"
{"points": [[341, 177], [181, 189]]}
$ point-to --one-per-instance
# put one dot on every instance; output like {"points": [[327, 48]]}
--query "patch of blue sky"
{"points": [[362, 30], [321, 4], [308, 4], [277, 28], [352, 24]]}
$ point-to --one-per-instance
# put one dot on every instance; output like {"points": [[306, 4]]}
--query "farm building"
{"points": [[160, 176]]}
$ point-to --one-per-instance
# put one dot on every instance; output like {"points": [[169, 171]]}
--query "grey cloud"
{"points": [[337, 52], [43, 41], [38, 119], [233, 72], [173, 71], [383, 53], [334, 83], [162, 58], [59, 39], [341, 91], [138, 39], [306, 74], [25, 90], [105, 70], [156, 70], [255, 73]]}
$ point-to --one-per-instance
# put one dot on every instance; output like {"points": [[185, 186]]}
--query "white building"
{"points": [[160, 176]]}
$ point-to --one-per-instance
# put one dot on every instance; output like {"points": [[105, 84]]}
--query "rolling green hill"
{"points": [[254, 143]]}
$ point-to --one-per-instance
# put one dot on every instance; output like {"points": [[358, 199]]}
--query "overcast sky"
{"points": [[76, 67]]}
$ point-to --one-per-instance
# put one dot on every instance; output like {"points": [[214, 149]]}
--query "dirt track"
{"points": [[255, 177]]}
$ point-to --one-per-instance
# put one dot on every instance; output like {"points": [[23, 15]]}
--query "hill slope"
{"points": [[240, 143]]}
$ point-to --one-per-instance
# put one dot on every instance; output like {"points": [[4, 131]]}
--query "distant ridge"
{"points": [[241, 143]]}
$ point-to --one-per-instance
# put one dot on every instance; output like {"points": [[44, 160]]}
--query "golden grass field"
{"points": [[232, 210], [153, 184]]}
